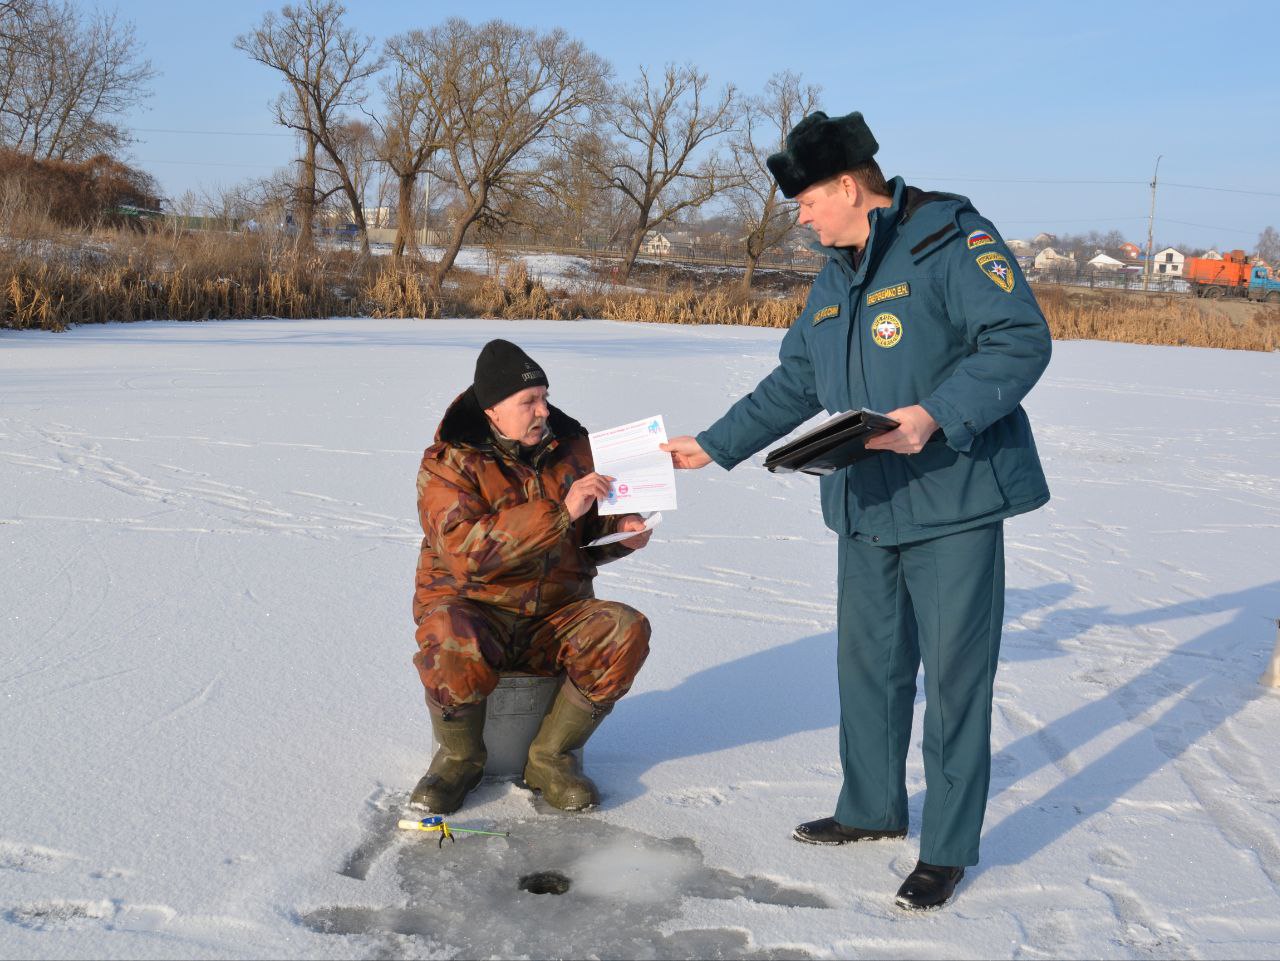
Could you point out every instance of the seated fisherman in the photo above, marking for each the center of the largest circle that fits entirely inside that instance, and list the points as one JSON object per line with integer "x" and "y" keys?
{"x": 507, "y": 499}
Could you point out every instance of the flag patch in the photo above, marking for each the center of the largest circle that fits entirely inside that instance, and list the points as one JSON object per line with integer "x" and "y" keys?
{"x": 888, "y": 293}
{"x": 980, "y": 238}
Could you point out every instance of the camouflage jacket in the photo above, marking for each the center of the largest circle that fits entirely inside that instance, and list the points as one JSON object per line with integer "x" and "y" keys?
{"x": 495, "y": 528}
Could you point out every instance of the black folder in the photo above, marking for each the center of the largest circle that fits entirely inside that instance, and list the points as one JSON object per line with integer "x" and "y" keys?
{"x": 833, "y": 444}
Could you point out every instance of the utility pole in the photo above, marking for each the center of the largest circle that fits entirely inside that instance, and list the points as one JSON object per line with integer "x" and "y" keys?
{"x": 1151, "y": 226}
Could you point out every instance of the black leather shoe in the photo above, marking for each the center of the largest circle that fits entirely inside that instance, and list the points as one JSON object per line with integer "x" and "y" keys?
{"x": 928, "y": 886}
{"x": 831, "y": 831}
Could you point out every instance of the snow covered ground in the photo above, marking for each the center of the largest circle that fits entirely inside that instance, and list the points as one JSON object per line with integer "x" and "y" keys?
{"x": 209, "y": 716}
{"x": 555, "y": 271}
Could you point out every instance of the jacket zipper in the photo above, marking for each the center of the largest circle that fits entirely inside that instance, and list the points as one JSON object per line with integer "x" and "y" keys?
{"x": 546, "y": 564}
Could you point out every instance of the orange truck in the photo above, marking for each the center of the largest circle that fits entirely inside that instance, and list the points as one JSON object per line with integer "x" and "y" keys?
{"x": 1235, "y": 275}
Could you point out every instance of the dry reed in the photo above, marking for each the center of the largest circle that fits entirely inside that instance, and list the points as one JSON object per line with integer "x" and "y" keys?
{"x": 51, "y": 280}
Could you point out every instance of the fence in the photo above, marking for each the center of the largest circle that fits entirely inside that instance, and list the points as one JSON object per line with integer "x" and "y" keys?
{"x": 704, "y": 254}
{"x": 1107, "y": 279}
{"x": 721, "y": 255}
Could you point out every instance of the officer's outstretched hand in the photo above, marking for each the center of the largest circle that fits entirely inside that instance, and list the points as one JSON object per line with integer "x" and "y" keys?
{"x": 915, "y": 427}
{"x": 686, "y": 453}
{"x": 634, "y": 522}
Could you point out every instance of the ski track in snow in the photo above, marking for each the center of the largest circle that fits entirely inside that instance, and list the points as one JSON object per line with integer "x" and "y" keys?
{"x": 1133, "y": 812}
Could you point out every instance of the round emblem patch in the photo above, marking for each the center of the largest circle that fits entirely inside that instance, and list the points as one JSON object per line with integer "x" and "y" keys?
{"x": 886, "y": 330}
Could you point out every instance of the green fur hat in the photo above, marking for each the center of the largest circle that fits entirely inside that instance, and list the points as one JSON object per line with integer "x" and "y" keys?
{"x": 819, "y": 147}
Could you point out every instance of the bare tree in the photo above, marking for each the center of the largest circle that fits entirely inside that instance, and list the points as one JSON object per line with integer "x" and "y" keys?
{"x": 411, "y": 128}
{"x": 1268, "y": 247}
{"x": 326, "y": 66}
{"x": 571, "y": 197}
{"x": 764, "y": 214}
{"x": 501, "y": 93}
{"x": 65, "y": 79}
{"x": 356, "y": 142}
{"x": 657, "y": 130}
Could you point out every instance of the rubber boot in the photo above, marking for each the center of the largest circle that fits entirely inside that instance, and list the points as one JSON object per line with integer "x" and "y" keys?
{"x": 458, "y": 764}
{"x": 551, "y": 769}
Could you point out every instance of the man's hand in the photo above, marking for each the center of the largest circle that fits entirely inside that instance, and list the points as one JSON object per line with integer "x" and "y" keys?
{"x": 915, "y": 427}
{"x": 585, "y": 492}
{"x": 634, "y": 522}
{"x": 686, "y": 453}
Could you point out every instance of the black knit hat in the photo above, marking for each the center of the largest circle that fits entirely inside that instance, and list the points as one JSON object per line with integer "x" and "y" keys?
{"x": 502, "y": 369}
{"x": 819, "y": 147}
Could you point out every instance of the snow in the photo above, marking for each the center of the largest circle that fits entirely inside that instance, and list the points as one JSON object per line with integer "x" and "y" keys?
{"x": 555, "y": 271}
{"x": 210, "y": 719}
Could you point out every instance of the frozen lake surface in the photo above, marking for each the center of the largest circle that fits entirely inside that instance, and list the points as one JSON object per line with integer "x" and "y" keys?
{"x": 210, "y": 718}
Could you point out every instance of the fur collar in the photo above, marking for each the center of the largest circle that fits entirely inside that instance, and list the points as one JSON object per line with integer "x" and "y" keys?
{"x": 465, "y": 423}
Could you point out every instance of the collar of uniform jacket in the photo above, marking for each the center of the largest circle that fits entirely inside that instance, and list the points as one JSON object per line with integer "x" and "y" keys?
{"x": 906, "y": 200}
{"x": 464, "y": 424}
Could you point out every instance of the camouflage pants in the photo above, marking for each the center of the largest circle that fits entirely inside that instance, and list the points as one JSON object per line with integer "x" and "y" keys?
{"x": 463, "y": 646}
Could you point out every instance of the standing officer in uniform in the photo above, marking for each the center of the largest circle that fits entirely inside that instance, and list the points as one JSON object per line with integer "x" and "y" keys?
{"x": 920, "y": 312}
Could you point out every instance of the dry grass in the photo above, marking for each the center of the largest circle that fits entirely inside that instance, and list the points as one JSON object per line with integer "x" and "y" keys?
{"x": 51, "y": 279}
{"x": 1136, "y": 318}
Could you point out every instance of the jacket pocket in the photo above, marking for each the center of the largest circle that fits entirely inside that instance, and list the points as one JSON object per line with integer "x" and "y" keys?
{"x": 828, "y": 345}
{"x": 832, "y": 491}
{"x": 945, "y": 486}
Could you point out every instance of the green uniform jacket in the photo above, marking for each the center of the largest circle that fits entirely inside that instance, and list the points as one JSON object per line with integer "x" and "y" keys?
{"x": 936, "y": 313}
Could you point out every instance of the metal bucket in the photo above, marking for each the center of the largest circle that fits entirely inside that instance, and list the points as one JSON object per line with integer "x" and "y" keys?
{"x": 513, "y": 714}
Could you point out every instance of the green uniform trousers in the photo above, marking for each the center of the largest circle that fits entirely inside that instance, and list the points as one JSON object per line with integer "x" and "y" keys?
{"x": 939, "y": 601}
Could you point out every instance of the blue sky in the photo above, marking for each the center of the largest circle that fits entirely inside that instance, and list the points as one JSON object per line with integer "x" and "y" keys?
{"x": 978, "y": 99}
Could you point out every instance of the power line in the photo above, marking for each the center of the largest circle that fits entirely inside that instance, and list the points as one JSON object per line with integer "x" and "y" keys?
{"x": 1225, "y": 190}
{"x": 1067, "y": 220}
{"x": 1184, "y": 223}
{"x": 1051, "y": 180}
{"x": 206, "y": 163}
{"x": 976, "y": 180}
{"x": 1018, "y": 180}
{"x": 217, "y": 133}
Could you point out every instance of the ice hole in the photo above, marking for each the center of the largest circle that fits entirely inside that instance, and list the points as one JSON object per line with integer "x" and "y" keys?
{"x": 545, "y": 882}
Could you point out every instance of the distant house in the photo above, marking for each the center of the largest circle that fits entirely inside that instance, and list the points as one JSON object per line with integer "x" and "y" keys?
{"x": 1130, "y": 251}
{"x": 1050, "y": 259}
{"x": 1018, "y": 247}
{"x": 1044, "y": 240}
{"x": 1168, "y": 262}
{"x": 656, "y": 245}
{"x": 1211, "y": 255}
{"x": 1105, "y": 262}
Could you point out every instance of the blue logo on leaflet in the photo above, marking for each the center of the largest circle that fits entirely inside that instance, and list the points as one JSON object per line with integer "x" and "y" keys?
{"x": 653, "y": 427}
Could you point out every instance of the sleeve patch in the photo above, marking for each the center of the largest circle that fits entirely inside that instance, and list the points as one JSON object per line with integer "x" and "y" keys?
{"x": 825, "y": 312}
{"x": 980, "y": 238}
{"x": 996, "y": 267}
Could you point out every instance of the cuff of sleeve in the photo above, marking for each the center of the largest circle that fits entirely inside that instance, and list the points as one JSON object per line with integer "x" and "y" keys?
{"x": 562, "y": 518}
{"x": 958, "y": 431}
{"x": 714, "y": 452}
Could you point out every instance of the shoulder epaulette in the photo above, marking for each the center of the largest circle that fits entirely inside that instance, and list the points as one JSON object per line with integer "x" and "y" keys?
{"x": 941, "y": 234}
